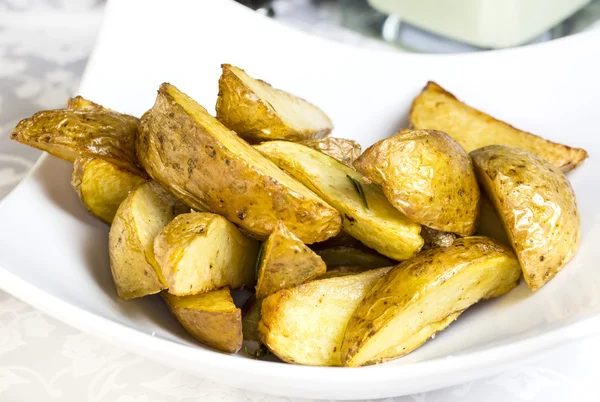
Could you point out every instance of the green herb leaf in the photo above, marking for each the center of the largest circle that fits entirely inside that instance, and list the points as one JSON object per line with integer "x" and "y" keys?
{"x": 359, "y": 189}
{"x": 258, "y": 258}
{"x": 260, "y": 353}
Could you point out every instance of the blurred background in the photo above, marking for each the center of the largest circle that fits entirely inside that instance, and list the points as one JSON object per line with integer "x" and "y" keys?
{"x": 435, "y": 26}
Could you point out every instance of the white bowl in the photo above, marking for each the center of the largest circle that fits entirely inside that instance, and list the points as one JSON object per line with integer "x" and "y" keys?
{"x": 54, "y": 254}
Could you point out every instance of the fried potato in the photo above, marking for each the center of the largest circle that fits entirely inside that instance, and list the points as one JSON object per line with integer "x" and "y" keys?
{"x": 537, "y": 206}
{"x": 427, "y": 176}
{"x": 424, "y": 295}
{"x": 210, "y": 318}
{"x": 286, "y": 262}
{"x": 340, "y": 149}
{"x": 91, "y": 132}
{"x": 199, "y": 252}
{"x": 306, "y": 324}
{"x": 102, "y": 186}
{"x": 437, "y": 109}
{"x": 250, "y": 318}
{"x": 258, "y": 112}
{"x": 353, "y": 256}
{"x": 140, "y": 217}
{"x": 367, "y": 215}
{"x": 210, "y": 168}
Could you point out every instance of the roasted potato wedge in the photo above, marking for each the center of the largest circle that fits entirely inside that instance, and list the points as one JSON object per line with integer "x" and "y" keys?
{"x": 258, "y": 112}
{"x": 424, "y": 295}
{"x": 437, "y": 109}
{"x": 354, "y": 256}
{"x": 210, "y": 168}
{"x": 427, "y": 176}
{"x": 340, "y": 149}
{"x": 199, "y": 252}
{"x": 306, "y": 324}
{"x": 90, "y": 132}
{"x": 490, "y": 224}
{"x": 211, "y": 318}
{"x": 537, "y": 206}
{"x": 367, "y": 214}
{"x": 250, "y": 318}
{"x": 286, "y": 262}
{"x": 140, "y": 217}
{"x": 102, "y": 186}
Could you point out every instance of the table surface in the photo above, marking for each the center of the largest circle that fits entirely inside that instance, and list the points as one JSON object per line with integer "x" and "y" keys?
{"x": 44, "y": 45}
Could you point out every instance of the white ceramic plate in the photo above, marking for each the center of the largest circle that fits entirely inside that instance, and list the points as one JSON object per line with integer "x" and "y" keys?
{"x": 54, "y": 254}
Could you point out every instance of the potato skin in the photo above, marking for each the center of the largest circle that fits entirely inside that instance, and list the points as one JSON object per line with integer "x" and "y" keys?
{"x": 424, "y": 295}
{"x": 255, "y": 119}
{"x": 537, "y": 206}
{"x": 210, "y": 318}
{"x": 199, "y": 252}
{"x": 102, "y": 186}
{"x": 306, "y": 324}
{"x": 427, "y": 176}
{"x": 90, "y": 132}
{"x": 191, "y": 157}
{"x": 340, "y": 149}
{"x": 286, "y": 262}
{"x": 376, "y": 223}
{"x": 145, "y": 211}
{"x": 437, "y": 109}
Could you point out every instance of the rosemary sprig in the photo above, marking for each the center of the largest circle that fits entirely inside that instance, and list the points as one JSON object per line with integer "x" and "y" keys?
{"x": 359, "y": 189}
{"x": 258, "y": 258}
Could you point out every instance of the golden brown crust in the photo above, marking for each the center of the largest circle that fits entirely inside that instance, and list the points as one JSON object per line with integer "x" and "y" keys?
{"x": 306, "y": 324}
{"x": 537, "y": 206}
{"x": 248, "y": 112}
{"x": 286, "y": 262}
{"x": 90, "y": 132}
{"x": 367, "y": 214}
{"x": 428, "y": 177}
{"x": 199, "y": 252}
{"x": 140, "y": 217}
{"x": 424, "y": 295}
{"x": 437, "y": 109}
{"x": 190, "y": 153}
{"x": 102, "y": 186}
{"x": 340, "y": 149}
{"x": 218, "y": 326}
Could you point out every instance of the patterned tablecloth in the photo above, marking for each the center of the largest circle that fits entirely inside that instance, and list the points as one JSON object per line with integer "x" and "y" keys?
{"x": 44, "y": 45}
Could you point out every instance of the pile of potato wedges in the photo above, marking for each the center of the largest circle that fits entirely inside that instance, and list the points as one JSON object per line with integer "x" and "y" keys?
{"x": 353, "y": 258}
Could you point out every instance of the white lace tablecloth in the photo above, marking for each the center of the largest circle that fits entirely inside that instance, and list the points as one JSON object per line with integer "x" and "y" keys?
{"x": 44, "y": 45}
